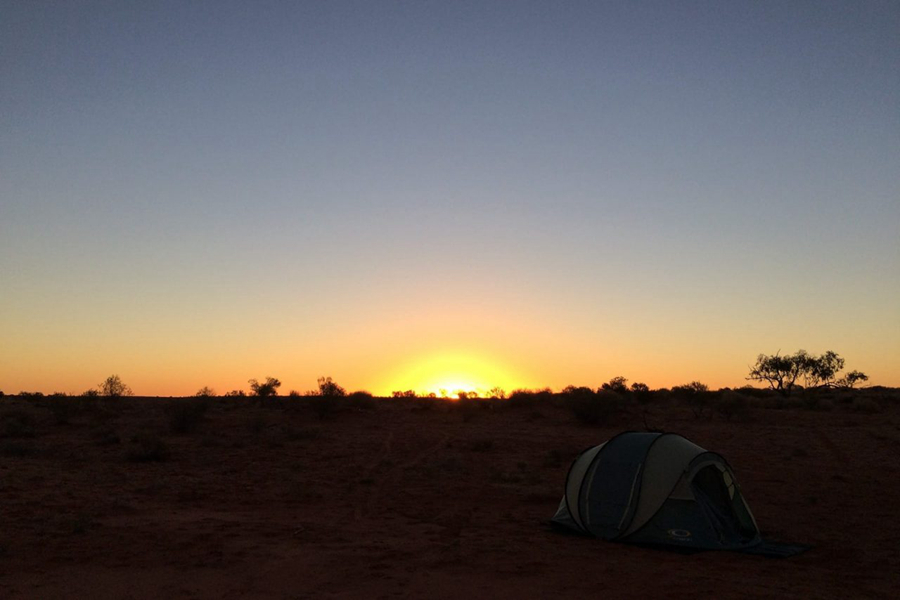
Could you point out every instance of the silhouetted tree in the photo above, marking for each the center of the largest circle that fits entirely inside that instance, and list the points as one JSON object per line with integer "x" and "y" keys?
{"x": 327, "y": 387}
{"x": 497, "y": 392}
{"x": 616, "y": 384}
{"x": 267, "y": 389}
{"x": 851, "y": 379}
{"x": 114, "y": 387}
{"x": 205, "y": 392}
{"x": 696, "y": 394}
{"x": 782, "y": 372}
{"x": 406, "y": 394}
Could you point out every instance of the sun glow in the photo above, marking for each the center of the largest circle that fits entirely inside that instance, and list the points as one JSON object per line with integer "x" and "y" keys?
{"x": 446, "y": 374}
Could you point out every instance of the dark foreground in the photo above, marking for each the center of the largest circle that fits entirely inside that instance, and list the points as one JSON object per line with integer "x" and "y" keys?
{"x": 401, "y": 498}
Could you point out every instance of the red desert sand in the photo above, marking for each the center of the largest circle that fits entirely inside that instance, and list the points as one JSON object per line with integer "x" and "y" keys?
{"x": 145, "y": 498}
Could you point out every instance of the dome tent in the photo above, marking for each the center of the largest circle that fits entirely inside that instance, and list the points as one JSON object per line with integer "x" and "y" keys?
{"x": 659, "y": 489}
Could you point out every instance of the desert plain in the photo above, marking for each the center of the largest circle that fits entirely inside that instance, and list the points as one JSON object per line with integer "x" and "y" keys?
{"x": 417, "y": 498}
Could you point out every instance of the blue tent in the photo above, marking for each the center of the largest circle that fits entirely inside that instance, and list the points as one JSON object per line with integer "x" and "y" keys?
{"x": 658, "y": 489}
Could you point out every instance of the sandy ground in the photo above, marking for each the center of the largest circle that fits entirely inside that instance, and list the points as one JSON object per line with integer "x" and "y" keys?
{"x": 408, "y": 501}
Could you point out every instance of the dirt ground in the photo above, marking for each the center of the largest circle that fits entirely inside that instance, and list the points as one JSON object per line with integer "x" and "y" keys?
{"x": 414, "y": 499}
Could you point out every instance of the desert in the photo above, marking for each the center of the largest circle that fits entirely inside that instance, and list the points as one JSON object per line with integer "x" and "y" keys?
{"x": 312, "y": 497}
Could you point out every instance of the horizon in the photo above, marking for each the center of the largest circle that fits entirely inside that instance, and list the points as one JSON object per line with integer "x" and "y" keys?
{"x": 432, "y": 195}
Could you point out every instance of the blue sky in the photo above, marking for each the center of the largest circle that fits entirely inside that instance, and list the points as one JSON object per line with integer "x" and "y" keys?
{"x": 574, "y": 190}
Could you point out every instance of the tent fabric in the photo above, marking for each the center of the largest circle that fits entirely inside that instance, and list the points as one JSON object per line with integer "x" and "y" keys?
{"x": 656, "y": 488}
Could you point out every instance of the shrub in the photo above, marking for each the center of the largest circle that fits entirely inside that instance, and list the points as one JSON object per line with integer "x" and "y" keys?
{"x": 595, "y": 409}
{"x": 327, "y": 387}
{"x": 406, "y": 394}
{"x": 236, "y": 394}
{"x": 31, "y": 394}
{"x": 361, "y": 400}
{"x": 114, "y": 387}
{"x": 266, "y": 389}
{"x": 186, "y": 415}
{"x": 147, "y": 447}
{"x": 695, "y": 394}
{"x": 616, "y": 384}
{"x": 205, "y": 392}
{"x": 730, "y": 405}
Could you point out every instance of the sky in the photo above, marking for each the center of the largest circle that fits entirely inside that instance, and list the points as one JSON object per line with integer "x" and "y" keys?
{"x": 436, "y": 195}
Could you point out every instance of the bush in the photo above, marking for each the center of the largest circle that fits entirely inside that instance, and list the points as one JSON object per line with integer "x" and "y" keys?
{"x": 206, "y": 392}
{"x": 266, "y": 389}
{"x": 186, "y": 415}
{"x": 616, "y": 384}
{"x": 595, "y": 409}
{"x": 114, "y": 387}
{"x": 327, "y": 387}
{"x": 696, "y": 395}
{"x": 730, "y": 405}
{"x": 361, "y": 400}
{"x": 147, "y": 447}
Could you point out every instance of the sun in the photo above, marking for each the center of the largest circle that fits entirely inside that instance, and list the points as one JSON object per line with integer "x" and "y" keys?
{"x": 447, "y": 373}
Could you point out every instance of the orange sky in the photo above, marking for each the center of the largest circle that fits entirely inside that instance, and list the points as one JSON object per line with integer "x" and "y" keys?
{"x": 402, "y": 197}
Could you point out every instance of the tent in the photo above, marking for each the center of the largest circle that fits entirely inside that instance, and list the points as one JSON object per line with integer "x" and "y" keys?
{"x": 657, "y": 489}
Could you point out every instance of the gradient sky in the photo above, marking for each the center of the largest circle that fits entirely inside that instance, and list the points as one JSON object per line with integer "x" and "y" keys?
{"x": 415, "y": 194}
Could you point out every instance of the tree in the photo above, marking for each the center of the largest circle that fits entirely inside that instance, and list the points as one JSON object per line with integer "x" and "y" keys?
{"x": 616, "y": 384}
{"x": 851, "y": 379}
{"x": 114, "y": 387}
{"x": 821, "y": 370}
{"x": 327, "y": 387}
{"x": 497, "y": 392}
{"x": 640, "y": 388}
{"x": 205, "y": 392}
{"x": 780, "y": 372}
{"x": 264, "y": 390}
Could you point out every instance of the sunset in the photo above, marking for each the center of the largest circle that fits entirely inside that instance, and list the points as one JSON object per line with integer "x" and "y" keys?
{"x": 610, "y": 215}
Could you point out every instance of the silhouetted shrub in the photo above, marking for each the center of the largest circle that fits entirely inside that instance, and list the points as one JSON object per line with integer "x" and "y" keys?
{"x": 186, "y": 415}
{"x": 266, "y": 389}
{"x": 30, "y": 395}
{"x": 147, "y": 447}
{"x": 327, "y": 387}
{"x": 114, "y": 387}
{"x": 361, "y": 400}
{"x": 206, "y": 392}
{"x": 521, "y": 398}
{"x": 595, "y": 409}
{"x": 695, "y": 395}
{"x": 616, "y": 384}
{"x": 236, "y": 394}
{"x": 406, "y": 394}
{"x": 730, "y": 405}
